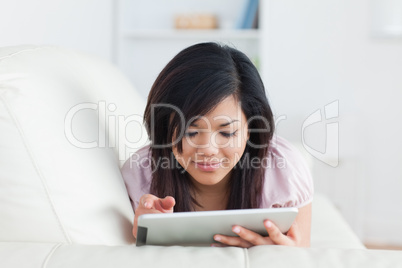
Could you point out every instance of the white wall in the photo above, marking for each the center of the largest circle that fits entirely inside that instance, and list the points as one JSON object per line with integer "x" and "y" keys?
{"x": 323, "y": 51}
{"x": 84, "y": 25}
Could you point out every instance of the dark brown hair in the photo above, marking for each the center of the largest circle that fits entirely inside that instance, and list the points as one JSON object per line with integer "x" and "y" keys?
{"x": 193, "y": 83}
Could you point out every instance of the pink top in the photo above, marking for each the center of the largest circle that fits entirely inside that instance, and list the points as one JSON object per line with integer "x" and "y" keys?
{"x": 288, "y": 182}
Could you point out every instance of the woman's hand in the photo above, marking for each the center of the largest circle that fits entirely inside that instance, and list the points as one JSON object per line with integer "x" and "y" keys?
{"x": 247, "y": 238}
{"x": 152, "y": 204}
{"x": 298, "y": 234}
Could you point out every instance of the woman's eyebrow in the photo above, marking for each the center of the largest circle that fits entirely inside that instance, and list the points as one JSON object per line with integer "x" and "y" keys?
{"x": 228, "y": 123}
{"x": 193, "y": 124}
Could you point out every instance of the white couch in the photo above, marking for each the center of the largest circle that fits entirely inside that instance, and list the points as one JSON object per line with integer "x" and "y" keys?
{"x": 67, "y": 123}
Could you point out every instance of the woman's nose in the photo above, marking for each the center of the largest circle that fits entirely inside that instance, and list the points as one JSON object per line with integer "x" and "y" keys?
{"x": 207, "y": 147}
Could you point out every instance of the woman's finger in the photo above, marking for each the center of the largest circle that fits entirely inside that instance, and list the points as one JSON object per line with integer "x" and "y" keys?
{"x": 167, "y": 203}
{"x": 249, "y": 236}
{"x": 152, "y": 204}
{"x": 218, "y": 245}
{"x": 294, "y": 233}
{"x": 148, "y": 200}
{"x": 232, "y": 241}
{"x": 276, "y": 235}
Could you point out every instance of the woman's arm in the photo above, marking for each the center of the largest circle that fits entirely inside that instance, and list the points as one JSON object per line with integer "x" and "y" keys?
{"x": 298, "y": 234}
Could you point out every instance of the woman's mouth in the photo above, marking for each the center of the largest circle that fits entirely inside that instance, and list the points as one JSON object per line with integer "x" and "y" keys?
{"x": 207, "y": 166}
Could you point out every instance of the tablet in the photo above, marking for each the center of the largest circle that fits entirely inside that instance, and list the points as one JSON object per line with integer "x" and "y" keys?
{"x": 198, "y": 228}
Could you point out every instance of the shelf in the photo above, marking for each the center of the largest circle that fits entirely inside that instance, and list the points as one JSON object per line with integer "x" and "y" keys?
{"x": 192, "y": 34}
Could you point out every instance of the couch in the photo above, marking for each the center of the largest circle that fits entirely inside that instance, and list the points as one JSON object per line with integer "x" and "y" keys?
{"x": 68, "y": 121}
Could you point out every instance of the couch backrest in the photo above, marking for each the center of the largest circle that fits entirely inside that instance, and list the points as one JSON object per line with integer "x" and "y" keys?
{"x": 67, "y": 123}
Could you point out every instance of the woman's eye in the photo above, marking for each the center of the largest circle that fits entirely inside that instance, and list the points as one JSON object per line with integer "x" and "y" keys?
{"x": 191, "y": 134}
{"x": 228, "y": 134}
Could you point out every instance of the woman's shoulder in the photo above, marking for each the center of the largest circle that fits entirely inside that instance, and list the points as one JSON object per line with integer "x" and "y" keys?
{"x": 288, "y": 181}
{"x": 137, "y": 174}
{"x": 281, "y": 149}
{"x": 140, "y": 161}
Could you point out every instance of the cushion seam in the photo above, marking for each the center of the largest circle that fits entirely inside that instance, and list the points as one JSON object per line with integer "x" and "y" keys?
{"x": 49, "y": 256}
{"x": 36, "y": 167}
{"x": 246, "y": 259}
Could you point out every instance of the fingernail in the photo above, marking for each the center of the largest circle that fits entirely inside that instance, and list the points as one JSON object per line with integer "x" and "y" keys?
{"x": 146, "y": 204}
{"x": 236, "y": 230}
{"x": 217, "y": 238}
{"x": 268, "y": 224}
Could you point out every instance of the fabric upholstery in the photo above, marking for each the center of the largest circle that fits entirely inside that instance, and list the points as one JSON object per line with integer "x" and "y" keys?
{"x": 59, "y": 148}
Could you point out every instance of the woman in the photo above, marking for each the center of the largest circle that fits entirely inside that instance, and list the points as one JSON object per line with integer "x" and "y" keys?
{"x": 213, "y": 147}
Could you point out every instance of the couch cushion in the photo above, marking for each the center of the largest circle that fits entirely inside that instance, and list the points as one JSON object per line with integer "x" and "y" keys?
{"x": 25, "y": 255}
{"x": 20, "y": 255}
{"x": 67, "y": 122}
{"x": 282, "y": 256}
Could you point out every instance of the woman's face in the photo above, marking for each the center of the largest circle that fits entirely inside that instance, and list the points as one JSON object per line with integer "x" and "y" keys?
{"x": 214, "y": 143}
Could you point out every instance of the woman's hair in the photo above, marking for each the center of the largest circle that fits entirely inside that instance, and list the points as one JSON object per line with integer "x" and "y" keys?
{"x": 192, "y": 84}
